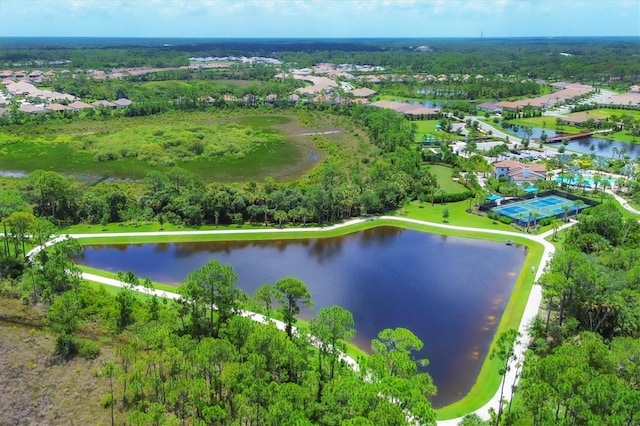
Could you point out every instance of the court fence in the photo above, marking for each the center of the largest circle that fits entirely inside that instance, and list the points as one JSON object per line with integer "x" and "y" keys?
{"x": 526, "y": 220}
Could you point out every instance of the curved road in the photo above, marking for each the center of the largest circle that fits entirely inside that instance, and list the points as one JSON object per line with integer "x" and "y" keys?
{"x": 531, "y": 309}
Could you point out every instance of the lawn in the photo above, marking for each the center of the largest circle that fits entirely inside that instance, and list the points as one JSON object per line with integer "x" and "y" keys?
{"x": 445, "y": 180}
{"x": 425, "y": 127}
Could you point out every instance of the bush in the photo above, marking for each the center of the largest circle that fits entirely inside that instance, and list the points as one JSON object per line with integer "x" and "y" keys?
{"x": 493, "y": 215}
{"x": 66, "y": 346}
{"x": 88, "y": 349}
{"x": 545, "y": 222}
{"x": 506, "y": 220}
{"x": 107, "y": 401}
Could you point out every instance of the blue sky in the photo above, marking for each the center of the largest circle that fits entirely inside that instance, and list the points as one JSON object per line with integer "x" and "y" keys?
{"x": 319, "y": 18}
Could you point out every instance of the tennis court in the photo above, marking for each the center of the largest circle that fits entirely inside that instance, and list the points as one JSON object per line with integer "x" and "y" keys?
{"x": 539, "y": 208}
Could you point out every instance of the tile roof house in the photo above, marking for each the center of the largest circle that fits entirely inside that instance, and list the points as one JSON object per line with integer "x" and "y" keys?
{"x": 122, "y": 103}
{"x": 415, "y": 111}
{"x": 363, "y": 92}
{"x": 56, "y": 107}
{"x": 489, "y": 107}
{"x": 103, "y": 103}
{"x": 515, "y": 171}
{"x": 32, "y": 109}
{"x": 582, "y": 117}
{"x": 77, "y": 105}
{"x": 509, "y": 106}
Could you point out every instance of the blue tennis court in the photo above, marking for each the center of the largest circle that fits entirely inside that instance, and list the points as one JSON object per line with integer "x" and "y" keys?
{"x": 539, "y": 208}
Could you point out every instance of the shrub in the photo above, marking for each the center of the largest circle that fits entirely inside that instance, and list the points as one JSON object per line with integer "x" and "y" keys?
{"x": 66, "y": 346}
{"x": 545, "y": 222}
{"x": 88, "y": 349}
{"x": 106, "y": 156}
{"x": 107, "y": 401}
{"x": 505, "y": 220}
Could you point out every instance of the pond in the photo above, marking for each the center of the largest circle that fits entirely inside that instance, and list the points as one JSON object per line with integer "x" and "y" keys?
{"x": 451, "y": 292}
{"x": 601, "y": 147}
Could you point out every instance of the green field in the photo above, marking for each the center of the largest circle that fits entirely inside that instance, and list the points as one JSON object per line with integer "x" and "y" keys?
{"x": 426, "y": 127}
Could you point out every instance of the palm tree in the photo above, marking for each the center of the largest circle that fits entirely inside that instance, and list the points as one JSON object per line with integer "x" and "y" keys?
{"x": 600, "y": 162}
{"x": 614, "y": 151}
{"x": 577, "y": 205}
{"x": 597, "y": 178}
{"x": 555, "y": 224}
{"x": 622, "y": 152}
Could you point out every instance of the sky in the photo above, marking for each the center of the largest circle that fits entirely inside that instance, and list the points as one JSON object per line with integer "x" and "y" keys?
{"x": 319, "y": 18}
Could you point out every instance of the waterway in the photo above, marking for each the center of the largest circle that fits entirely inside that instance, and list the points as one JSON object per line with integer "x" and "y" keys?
{"x": 451, "y": 292}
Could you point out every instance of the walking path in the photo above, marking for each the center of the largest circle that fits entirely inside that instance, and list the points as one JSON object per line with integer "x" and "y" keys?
{"x": 531, "y": 309}
{"x": 625, "y": 205}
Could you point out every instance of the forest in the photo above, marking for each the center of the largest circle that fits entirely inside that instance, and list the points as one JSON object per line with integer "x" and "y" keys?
{"x": 590, "y": 59}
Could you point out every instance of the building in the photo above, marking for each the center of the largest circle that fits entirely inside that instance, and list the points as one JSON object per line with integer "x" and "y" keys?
{"x": 517, "y": 172}
{"x": 489, "y": 107}
{"x": 123, "y": 103}
{"x": 579, "y": 118}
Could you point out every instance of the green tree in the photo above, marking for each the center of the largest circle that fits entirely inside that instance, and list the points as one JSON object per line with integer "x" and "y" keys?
{"x": 292, "y": 294}
{"x": 213, "y": 286}
{"x": 266, "y": 295}
{"x": 331, "y": 325}
{"x": 504, "y": 351}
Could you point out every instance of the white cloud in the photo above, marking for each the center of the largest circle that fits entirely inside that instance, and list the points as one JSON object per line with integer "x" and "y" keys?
{"x": 300, "y": 18}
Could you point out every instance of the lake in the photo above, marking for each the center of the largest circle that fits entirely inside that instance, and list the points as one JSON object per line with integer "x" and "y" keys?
{"x": 602, "y": 147}
{"x": 451, "y": 292}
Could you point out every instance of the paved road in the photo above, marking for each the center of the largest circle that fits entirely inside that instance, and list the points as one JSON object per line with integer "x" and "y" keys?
{"x": 531, "y": 309}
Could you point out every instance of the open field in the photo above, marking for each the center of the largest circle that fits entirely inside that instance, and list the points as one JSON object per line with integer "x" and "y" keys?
{"x": 222, "y": 147}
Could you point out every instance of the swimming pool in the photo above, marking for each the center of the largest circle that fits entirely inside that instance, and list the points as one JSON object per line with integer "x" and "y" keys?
{"x": 587, "y": 181}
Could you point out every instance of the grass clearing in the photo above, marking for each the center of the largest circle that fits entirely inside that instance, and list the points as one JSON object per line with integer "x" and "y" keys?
{"x": 445, "y": 180}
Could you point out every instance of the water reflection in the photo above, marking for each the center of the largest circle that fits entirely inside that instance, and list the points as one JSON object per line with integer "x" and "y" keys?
{"x": 601, "y": 147}
{"x": 450, "y": 291}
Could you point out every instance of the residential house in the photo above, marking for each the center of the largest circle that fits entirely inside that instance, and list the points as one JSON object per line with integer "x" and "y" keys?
{"x": 78, "y": 105}
{"x": 56, "y": 107}
{"x": 490, "y": 107}
{"x": 363, "y": 92}
{"x": 579, "y": 118}
{"x": 103, "y": 103}
{"x": 122, "y": 103}
{"x": 517, "y": 172}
